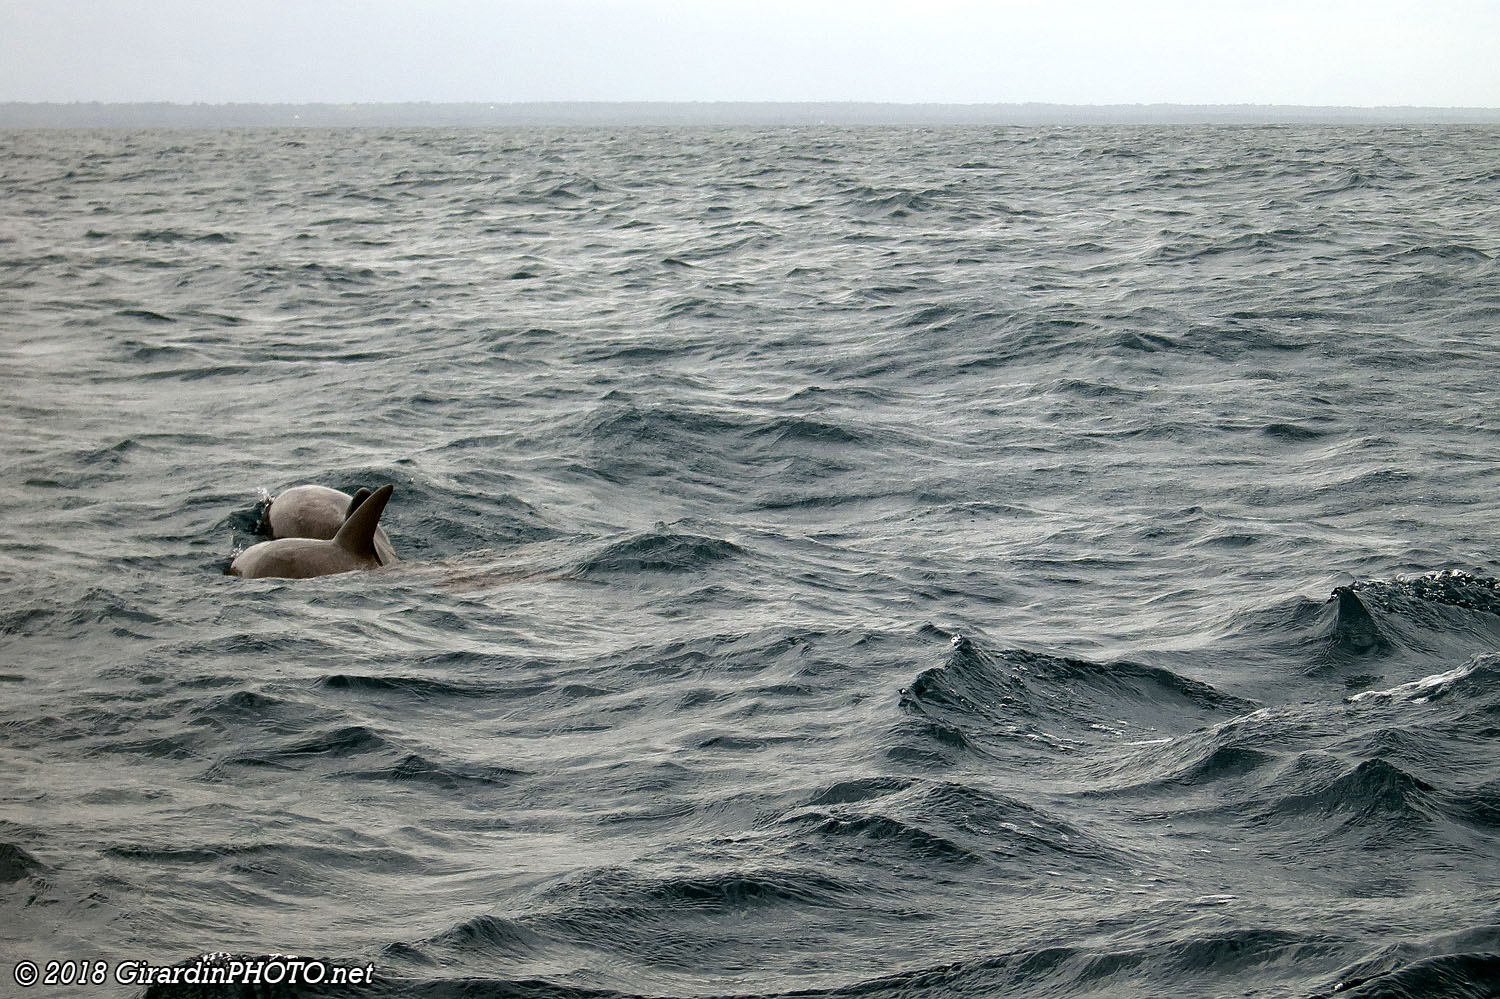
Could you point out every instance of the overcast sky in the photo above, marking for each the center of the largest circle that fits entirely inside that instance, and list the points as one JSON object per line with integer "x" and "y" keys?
{"x": 1373, "y": 52}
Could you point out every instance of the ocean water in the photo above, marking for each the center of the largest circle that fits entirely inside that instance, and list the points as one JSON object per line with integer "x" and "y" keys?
{"x": 880, "y": 562}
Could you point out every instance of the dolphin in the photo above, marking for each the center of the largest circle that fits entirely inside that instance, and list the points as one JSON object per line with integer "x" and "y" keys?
{"x": 319, "y": 512}
{"x": 352, "y": 547}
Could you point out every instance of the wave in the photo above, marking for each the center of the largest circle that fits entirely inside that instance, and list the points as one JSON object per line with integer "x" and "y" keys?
{"x": 1014, "y": 700}
{"x": 1453, "y": 965}
{"x": 1479, "y": 676}
{"x": 658, "y": 551}
{"x": 76, "y": 615}
{"x": 1284, "y": 957}
{"x": 1450, "y": 976}
{"x": 416, "y": 688}
{"x": 896, "y": 204}
{"x": 414, "y": 768}
{"x": 1368, "y": 630}
{"x": 17, "y": 865}
{"x": 1371, "y": 793}
{"x": 1227, "y": 758}
{"x": 914, "y": 823}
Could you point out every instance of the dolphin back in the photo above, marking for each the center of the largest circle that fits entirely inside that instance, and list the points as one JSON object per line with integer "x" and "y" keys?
{"x": 307, "y": 511}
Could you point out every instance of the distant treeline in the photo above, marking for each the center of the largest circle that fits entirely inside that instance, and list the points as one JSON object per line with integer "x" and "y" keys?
{"x": 602, "y": 113}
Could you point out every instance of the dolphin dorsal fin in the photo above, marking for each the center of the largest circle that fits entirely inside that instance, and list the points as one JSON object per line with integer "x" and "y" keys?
{"x": 357, "y": 536}
{"x": 359, "y": 497}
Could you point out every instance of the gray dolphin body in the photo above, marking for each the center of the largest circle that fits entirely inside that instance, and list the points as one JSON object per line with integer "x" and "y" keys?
{"x": 319, "y": 512}
{"x": 352, "y": 547}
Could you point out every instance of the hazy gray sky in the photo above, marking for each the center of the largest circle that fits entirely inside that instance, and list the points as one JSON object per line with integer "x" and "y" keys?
{"x": 1372, "y": 52}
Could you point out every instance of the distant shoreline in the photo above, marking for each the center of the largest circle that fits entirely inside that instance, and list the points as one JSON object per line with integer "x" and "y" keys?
{"x": 621, "y": 114}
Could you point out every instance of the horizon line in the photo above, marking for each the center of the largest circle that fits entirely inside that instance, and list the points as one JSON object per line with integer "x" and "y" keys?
{"x": 748, "y": 101}
{"x": 740, "y": 113}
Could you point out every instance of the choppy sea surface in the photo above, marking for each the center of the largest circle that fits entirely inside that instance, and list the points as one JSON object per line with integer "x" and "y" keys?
{"x": 881, "y": 562}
